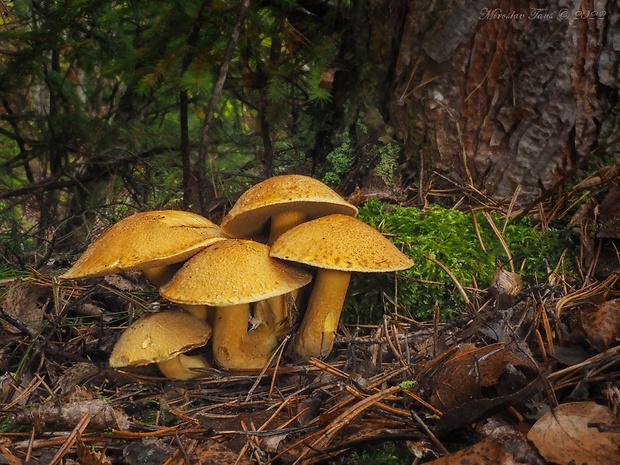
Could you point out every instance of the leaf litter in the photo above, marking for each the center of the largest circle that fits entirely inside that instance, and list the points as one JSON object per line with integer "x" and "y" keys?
{"x": 530, "y": 376}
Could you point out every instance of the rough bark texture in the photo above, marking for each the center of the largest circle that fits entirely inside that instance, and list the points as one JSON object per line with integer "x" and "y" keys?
{"x": 498, "y": 93}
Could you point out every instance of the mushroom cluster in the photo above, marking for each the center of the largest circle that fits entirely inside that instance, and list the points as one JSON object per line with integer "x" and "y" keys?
{"x": 286, "y": 241}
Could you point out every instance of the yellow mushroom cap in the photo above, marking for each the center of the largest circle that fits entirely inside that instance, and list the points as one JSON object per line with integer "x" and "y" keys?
{"x": 282, "y": 194}
{"x": 159, "y": 337}
{"x": 231, "y": 272}
{"x": 145, "y": 240}
{"x": 340, "y": 242}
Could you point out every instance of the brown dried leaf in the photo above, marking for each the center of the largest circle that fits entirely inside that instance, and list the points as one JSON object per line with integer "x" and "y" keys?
{"x": 149, "y": 451}
{"x": 610, "y": 214}
{"x": 217, "y": 453}
{"x": 476, "y": 380}
{"x": 513, "y": 441}
{"x": 26, "y": 301}
{"x": 75, "y": 375}
{"x": 563, "y": 435}
{"x": 602, "y": 325}
{"x": 506, "y": 283}
{"x": 479, "y": 373}
{"x": 485, "y": 451}
{"x": 87, "y": 456}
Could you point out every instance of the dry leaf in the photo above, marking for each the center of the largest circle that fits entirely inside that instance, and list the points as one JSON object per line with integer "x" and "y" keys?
{"x": 86, "y": 456}
{"x": 272, "y": 443}
{"x": 149, "y": 451}
{"x": 218, "y": 453}
{"x": 563, "y": 435}
{"x": 75, "y": 375}
{"x": 610, "y": 215}
{"x": 480, "y": 373}
{"x": 476, "y": 380}
{"x": 485, "y": 451}
{"x": 26, "y": 301}
{"x": 513, "y": 441}
{"x": 602, "y": 325}
{"x": 505, "y": 286}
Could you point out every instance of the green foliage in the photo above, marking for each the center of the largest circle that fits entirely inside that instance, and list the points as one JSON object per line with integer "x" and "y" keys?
{"x": 14, "y": 242}
{"x": 7, "y": 271}
{"x": 340, "y": 161}
{"x": 95, "y": 89}
{"x": 387, "y": 167}
{"x": 449, "y": 236}
{"x": 408, "y": 384}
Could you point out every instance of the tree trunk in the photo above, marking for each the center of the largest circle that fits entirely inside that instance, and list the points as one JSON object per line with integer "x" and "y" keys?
{"x": 494, "y": 95}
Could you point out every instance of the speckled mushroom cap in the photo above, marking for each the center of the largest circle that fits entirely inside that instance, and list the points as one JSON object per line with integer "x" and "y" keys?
{"x": 144, "y": 240}
{"x": 159, "y": 337}
{"x": 231, "y": 272}
{"x": 279, "y": 195}
{"x": 340, "y": 242}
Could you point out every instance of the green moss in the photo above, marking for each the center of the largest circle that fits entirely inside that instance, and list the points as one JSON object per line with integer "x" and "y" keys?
{"x": 340, "y": 161}
{"x": 448, "y": 236}
{"x": 387, "y": 168}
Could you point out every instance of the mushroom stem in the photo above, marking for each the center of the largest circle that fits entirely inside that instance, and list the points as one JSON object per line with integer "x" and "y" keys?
{"x": 202, "y": 312}
{"x": 282, "y": 222}
{"x": 236, "y": 348}
{"x": 316, "y": 334}
{"x": 278, "y": 312}
{"x": 182, "y": 366}
{"x": 160, "y": 275}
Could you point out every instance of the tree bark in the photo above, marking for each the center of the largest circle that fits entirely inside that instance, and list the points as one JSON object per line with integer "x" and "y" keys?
{"x": 496, "y": 95}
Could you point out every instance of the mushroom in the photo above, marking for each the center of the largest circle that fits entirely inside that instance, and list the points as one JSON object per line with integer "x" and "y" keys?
{"x": 229, "y": 275}
{"x": 288, "y": 200}
{"x": 163, "y": 338}
{"x": 153, "y": 242}
{"x": 337, "y": 245}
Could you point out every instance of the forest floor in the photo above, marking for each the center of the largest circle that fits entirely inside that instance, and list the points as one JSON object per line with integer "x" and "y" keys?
{"x": 532, "y": 376}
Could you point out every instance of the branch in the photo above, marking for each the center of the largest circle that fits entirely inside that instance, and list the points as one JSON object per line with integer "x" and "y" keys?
{"x": 217, "y": 91}
{"x": 56, "y": 182}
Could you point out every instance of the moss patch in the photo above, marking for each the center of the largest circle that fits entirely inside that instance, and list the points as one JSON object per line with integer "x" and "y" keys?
{"x": 450, "y": 237}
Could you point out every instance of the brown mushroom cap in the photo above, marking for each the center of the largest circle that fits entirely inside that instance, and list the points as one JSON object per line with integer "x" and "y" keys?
{"x": 340, "y": 242}
{"x": 282, "y": 194}
{"x": 159, "y": 337}
{"x": 232, "y": 272}
{"x": 146, "y": 240}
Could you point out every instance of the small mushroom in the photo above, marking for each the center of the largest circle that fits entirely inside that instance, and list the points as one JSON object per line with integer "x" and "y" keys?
{"x": 153, "y": 242}
{"x": 163, "y": 338}
{"x": 337, "y": 245}
{"x": 286, "y": 200}
{"x": 229, "y": 275}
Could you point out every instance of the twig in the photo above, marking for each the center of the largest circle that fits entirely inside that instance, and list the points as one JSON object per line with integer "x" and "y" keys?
{"x": 430, "y": 434}
{"x": 487, "y": 216}
{"x": 586, "y": 291}
{"x": 79, "y": 429}
{"x": 348, "y": 415}
{"x": 278, "y": 354}
{"x": 453, "y": 278}
{"x": 215, "y": 95}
